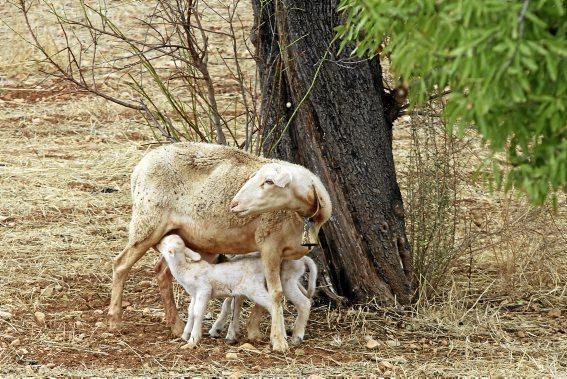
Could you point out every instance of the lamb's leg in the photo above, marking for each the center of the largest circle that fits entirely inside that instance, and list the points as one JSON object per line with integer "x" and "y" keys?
{"x": 272, "y": 265}
{"x": 190, "y": 321}
{"x": 302, "y": 305}
{"x": 201, "y": 300}
{"x": 222, "y": 319}
{"x": 122, "y": 264}
{"x": 234, "y": 326}
{"x": 165, "y": 283}
{"x": 253, "y": 326}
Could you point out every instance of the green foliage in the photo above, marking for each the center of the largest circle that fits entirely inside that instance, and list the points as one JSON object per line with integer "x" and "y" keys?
{"x": 505, "y": 63}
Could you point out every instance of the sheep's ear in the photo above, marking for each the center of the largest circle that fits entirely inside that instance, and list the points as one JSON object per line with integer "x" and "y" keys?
{"x": 281, "y": 177}
{"x": 192, "y": 255}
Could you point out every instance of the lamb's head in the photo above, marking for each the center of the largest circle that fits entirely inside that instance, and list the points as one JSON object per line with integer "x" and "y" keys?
{"x": 172, "y": 247}
{"x": 278, "y": 186}
{"x": 266, "y": 190}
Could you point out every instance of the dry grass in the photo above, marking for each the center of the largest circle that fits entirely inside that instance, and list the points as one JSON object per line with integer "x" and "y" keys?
{"x": 65, "y": 164}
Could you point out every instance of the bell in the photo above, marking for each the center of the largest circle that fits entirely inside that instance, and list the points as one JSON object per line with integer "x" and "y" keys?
{"x": 309, "y": 237}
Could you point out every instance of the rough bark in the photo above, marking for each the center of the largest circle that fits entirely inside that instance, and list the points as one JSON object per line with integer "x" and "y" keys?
{"x": 342, "y": 133}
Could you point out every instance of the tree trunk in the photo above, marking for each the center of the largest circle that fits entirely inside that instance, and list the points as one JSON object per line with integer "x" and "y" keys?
{"x": 342, "y": 133}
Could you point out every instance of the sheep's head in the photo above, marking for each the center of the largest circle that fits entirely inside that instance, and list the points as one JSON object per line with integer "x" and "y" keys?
{"x": 172, "y": 246}
{"x": 268, "y": 189}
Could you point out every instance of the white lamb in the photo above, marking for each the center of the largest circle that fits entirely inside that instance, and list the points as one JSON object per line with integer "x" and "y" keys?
{"x": 240, "y": 277}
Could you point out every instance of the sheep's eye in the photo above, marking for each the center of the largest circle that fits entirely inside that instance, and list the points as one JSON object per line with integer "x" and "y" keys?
{"x": 269, "y": 181}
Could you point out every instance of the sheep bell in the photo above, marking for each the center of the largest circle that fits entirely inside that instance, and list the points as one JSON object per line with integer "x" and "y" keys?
{"x": 309, "y": 238}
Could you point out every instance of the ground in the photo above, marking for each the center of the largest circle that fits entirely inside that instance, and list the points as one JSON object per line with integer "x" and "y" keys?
{"x": 65, "y": 165}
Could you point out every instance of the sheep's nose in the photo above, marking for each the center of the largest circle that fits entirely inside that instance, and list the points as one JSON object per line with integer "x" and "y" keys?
{"x": 233, "y": 204}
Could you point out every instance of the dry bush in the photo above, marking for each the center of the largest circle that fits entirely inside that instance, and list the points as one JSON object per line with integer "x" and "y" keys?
{"x": 166, "y": 60}
{"x": 464, "y": 233}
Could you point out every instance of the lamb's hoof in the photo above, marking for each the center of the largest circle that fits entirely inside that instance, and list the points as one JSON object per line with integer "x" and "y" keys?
{"x": 280, "y": 346}
{"x": 177, "y": 328}
{"x": 295, "y": 340}
{"x": 185, "y": 337}
{"x": 214, "y": 333}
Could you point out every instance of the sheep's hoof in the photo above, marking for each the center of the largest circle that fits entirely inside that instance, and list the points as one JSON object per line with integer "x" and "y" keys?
{"x": 177, "y": 328}
{"x": 254, "y": 335}
{"x": 296, "y": 340}
{"x": 231, "y": 341}
{"x": 280, "y": 346}
{"x": 185, "y": 337}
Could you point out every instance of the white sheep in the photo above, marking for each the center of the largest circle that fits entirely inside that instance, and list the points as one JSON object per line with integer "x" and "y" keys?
{"x": 238, "y": 278}
{"x": 220, "y": 199}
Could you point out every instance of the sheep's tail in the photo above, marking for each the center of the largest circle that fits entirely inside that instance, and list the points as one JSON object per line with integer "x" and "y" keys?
{"x": 312, "y": 280}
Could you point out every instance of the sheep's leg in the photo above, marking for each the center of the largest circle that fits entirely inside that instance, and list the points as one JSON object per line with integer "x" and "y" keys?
{"x": 302, "y": 305}
{"x": 272, "y": 266}
{"x": 234, "y": 326}
{"x": 165, "y": 283}
{"x": 253, "y": 326}
{"x": 122, "y": 264}
{"x": 222, "y": 319}
{"x": 190, "y": 321}
{"x": 201, "y": 300}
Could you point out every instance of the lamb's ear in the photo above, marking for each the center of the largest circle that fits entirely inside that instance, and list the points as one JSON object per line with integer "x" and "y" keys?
{"x": 281, "y": 178}
{"x": 192, "y": 255}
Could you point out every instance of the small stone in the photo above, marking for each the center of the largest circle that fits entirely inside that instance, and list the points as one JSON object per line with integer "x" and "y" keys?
{"x": 385, "y": 365}
{"x": 5, "y": 315}
{"x": 299, "y": 352}
{"x": 80, "y": 337}
{"x": 554, "y": 313}
{"x": 39, "y": 318}
{"x": 372, "y": 344}
{"x": 47, "y": 291}
{"x": 126, "y": 304}
{"x": 314, "y": 376}
{"x": 15, "y": 342}
{"x": 99, "y": 324}
{"x": 231, "y": 356}
{"x": 399, "y": 360}
{"x": 248, "y": 347}
{"x": 146, "y": 311}
{"x": 129, "y": 308}
{"x": 78, "y": 324}
{"x": 98, "y": 311}
{"x": 107, "y": 335}
{"x": 50, "y": 365}
{"x": 393, "y": 343}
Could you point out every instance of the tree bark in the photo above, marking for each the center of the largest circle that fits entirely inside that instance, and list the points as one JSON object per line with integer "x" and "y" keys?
{"x": 342, "y": 133}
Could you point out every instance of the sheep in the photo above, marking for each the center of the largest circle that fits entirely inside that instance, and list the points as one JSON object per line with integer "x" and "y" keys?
{"x": 239, "y": 277}
{"x": 230, "y": 310}
{"x": 218, "y": 199}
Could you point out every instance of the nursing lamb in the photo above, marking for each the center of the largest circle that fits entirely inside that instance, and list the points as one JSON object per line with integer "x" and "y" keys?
{"x": 239, "y": 277}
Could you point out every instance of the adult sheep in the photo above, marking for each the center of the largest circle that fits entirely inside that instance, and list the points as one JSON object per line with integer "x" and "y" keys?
{"x": 219, "y": 199}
